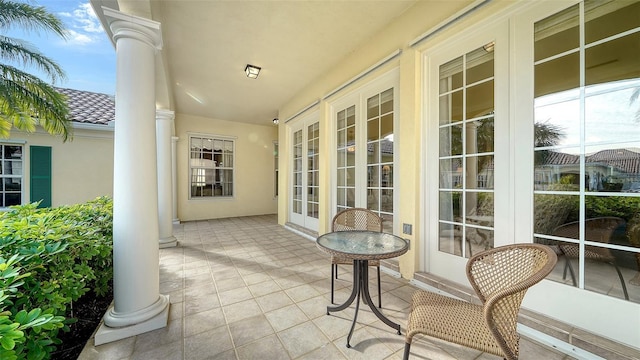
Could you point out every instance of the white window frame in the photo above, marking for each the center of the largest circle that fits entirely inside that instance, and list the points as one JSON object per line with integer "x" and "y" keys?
{"x": 191, "y": 166}
{"x": 358, "y": 97}
{"x": 22, "y": 177}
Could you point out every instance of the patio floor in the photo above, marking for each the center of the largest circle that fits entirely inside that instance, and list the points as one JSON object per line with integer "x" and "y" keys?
{"x": 247, "y": 288}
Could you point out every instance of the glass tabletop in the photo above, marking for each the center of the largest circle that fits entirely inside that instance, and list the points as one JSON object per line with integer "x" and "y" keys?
{"x": 363, "y": 244}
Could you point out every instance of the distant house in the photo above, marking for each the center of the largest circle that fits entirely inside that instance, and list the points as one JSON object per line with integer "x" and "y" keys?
{"x": 40, "y": 167}
{"x": 606, "y": 170}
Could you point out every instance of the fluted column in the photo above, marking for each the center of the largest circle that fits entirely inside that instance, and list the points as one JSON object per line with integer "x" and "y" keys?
{"x": 174, "y": 176}
{"x": 164, "y": 130}
{"x": 138, "y": 305}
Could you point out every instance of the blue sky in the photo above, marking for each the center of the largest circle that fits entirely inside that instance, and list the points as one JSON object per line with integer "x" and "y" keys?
{"x": 87, "y": 56}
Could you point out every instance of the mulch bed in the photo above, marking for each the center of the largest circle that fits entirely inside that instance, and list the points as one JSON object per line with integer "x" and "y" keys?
{"x": 88, "y": 311}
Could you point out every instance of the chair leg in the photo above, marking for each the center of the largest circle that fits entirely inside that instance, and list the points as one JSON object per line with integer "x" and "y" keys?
{"x": 333, "y": 266}
{"x": 567, "y": 266}
{"x": 407, "y": 346}
{"x": 379, "y": 291}
{"x": 624, "y": 286}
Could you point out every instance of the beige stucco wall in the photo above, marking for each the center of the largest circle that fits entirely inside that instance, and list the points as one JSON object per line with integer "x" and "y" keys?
{"x": 81, "y": 169}
{"x": 254, "y": 169}
{"x": 409, "y": 131}
{"x": 397, "y": 35}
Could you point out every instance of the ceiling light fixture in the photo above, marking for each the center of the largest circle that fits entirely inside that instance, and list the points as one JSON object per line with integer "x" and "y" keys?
{"x": 252, "y": 71}
{"x": 276, "y": 121}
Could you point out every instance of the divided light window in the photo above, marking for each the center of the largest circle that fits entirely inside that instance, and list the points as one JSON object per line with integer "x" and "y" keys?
{"x": 211, "y": 167}
{"x": 587, "y": 144}
{"x": 466, "y": 141}
{"x": 10, "y": 175}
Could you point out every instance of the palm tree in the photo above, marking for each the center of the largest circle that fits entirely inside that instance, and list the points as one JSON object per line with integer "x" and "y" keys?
{"x": 25, "y": 99}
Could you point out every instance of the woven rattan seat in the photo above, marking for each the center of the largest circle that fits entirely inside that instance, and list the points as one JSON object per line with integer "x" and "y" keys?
{"x": 500, "y": 277}
{"x": 349, "y": 220}
{"x": 598, "y": 229}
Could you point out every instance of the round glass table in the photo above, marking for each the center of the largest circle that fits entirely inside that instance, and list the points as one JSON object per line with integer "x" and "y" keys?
{"x": 362, "y": 246}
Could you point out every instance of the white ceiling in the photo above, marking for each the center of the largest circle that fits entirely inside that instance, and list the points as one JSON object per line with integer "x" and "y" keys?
{"x": 207, "y": 45}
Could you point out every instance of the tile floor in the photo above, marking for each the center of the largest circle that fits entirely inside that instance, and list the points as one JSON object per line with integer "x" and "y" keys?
{"x": 247, "y": 288}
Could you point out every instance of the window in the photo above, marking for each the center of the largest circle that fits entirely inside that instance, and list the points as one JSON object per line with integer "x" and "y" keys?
{"x": 466, "y": 154}
{"x": 211, "y": 167}
{"x": 275, "y": 164}
{"x": 346, "y": 156}
{"x": 587, "y": 144}
{"x": 365, "y": 147}
{"x": 380, "y": 159}
{"x": 11, "y": 175}
{"x": 313, "y": 170}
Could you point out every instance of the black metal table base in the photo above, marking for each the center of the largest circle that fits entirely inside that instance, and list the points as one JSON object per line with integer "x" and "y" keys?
{"x": 361, "y": 288}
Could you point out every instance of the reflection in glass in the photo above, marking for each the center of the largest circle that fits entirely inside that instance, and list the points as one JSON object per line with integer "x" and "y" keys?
{"x": 610, "y": 115}
{"x": 557, "y": 33}
{"x": 480, "y": 208}
{"x": 608, "y": 18}
{"x": 595, "y": 228}
{"x": 479, "y": 100}
{"x": 451, "y": 173}
{"x": 479, "y": 136}
{"x": 451, "y": 107}
{"x": 557, "y": 75}
{"x": 557, "y": 170}
{"x": 613, "y": 60}
{"x": 450, "y": 239}
{"x": 479, "y": 172}
{"x": 477, "y": 240}
{"x": 451, "y": 75}
{"x": 450, "y": 206}
{"x": 462, "y": 135}
{"x": 451, "y": 140}
{"x": 380, "y": 157}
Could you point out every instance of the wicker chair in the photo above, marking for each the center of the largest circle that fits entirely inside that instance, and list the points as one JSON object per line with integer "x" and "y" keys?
{"x": 500, "y": 277}
{"x": 598, "y": 229}
{"x": 349, "y": 220}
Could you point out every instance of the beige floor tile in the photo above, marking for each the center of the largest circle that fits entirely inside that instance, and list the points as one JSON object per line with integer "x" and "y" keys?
{"x": 250, "y": 329}
{"x": 208, "y": 344}
{"x": 266, "y": 348}
{"x": 274, "y": 301}
{"x": 286, "y": 317}
{"x": 246, "y": 288}
{"x": 302, "y": 339}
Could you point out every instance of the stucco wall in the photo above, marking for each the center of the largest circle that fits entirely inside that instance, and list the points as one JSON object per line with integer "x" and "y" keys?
{"x": 254, "y": 169}
{"x": 81, "y": 169}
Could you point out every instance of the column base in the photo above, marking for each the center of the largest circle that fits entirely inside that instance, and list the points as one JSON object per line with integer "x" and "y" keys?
{"x": 106, "y": 334}
{"x": 168, "y": 242}
{"x": 176, "y": 221}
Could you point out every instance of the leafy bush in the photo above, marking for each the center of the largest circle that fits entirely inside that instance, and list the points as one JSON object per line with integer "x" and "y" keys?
{"x": 49, "y": 258}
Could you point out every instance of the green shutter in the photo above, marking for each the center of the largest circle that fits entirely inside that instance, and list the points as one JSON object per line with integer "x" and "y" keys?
{"x": 41, "y": 175}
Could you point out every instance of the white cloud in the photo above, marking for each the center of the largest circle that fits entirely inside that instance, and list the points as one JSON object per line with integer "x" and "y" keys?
{"x": 83, "y": 25}
{"x": 76, "y": 38}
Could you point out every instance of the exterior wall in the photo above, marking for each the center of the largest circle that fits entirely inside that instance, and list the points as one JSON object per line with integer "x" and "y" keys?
{"x": 549, "y": 298}
{"x": 254, "y": 168}
{"x": 397, "y": 35}
{"x": 81, "y": 169}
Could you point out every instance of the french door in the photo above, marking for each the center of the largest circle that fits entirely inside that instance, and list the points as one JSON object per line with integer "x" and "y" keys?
{"x": 465, "y": 158}
{"x": 304, "y": 206}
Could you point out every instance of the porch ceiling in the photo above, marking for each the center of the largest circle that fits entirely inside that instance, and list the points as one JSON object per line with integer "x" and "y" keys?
{"x": 207, "y": 45}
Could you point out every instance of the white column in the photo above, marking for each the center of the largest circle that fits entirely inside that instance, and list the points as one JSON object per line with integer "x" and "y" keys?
{"x": 164, "y": 130}
{"x": 174, "y": 176}
{"x": 138, "y": 305}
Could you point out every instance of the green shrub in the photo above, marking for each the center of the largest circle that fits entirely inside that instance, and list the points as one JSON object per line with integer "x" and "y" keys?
{"x": 49, "y": 258}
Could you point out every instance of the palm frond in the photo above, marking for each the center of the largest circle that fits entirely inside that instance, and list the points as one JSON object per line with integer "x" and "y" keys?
{"x": 18, "y": 51}
{"x": 29, "y": 17}
{"x": 25, "y": 101}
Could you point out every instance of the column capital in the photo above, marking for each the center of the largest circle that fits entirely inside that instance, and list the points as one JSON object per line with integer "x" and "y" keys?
{"x": 163, "y": 114}
{"x": 134, "y": 27}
